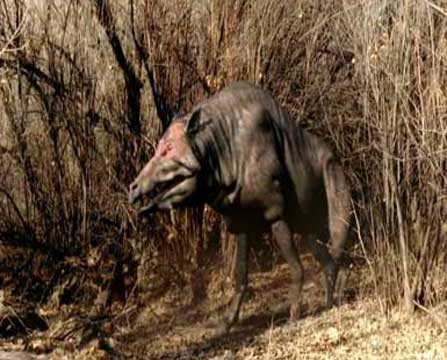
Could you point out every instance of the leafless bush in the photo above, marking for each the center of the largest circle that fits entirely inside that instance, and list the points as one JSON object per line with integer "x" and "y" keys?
{"x": 401, "y": 71}
{"x": 87, "y": 88}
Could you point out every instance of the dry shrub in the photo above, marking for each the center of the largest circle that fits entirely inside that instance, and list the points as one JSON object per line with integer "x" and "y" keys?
{"x": 400, "y": 58}
{"x": 369, "y": 77}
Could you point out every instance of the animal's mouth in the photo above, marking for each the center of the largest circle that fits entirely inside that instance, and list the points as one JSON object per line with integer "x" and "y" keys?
{"x": 156, "y": 195}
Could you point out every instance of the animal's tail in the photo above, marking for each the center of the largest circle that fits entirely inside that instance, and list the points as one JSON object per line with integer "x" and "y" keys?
{"x": 339, "y": 207}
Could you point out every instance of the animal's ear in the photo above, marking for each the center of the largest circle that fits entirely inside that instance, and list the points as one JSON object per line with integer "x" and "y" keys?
{"x": 193, "y": 123}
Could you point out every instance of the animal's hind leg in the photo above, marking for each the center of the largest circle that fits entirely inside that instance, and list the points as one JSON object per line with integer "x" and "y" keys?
{"x": 283, "y": 236}
{"x": 240, "y": 283}
{"x": 318, "y": 247}
{"x": 339, "y": 214}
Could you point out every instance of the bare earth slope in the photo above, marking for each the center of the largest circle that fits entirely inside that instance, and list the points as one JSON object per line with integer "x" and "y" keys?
{"x": 171, "y": 328}
{"x": 355, "y": 330}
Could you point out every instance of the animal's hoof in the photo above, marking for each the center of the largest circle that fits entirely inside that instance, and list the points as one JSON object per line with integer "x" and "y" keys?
{"x": 295, "y": 313}
{"x": 218, "y": 327}
{"x": 221, "y": 329}
{"x": 335, "y": 302}
{"x": 211, "y": 323}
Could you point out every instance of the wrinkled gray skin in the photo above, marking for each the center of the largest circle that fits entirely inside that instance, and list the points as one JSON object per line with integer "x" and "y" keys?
{"x": 240, "y": 152}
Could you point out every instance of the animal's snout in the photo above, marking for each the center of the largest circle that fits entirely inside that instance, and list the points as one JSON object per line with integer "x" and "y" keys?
{"x": 134, "y": 192}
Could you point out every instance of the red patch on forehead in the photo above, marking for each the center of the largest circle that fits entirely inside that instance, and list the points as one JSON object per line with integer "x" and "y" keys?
{"x": 167, "y": 147}
{"x": 172, "y": 139}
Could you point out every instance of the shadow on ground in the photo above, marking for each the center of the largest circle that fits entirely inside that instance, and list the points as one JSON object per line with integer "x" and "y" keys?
{"x": 184, "y": 332}
{"x": 240, "y": 336}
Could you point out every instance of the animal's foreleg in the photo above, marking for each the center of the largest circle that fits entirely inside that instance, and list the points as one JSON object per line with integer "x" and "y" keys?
{"x": 283, "y": 236}
{"x": 318, "y": 247}
{"x": 240, "y": 282}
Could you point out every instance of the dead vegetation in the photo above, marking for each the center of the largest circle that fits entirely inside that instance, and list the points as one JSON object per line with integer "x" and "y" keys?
{"x": 86, "y": 89}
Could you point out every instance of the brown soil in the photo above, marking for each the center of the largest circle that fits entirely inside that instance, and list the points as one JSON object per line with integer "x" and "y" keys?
{"x": 172, "y": 328}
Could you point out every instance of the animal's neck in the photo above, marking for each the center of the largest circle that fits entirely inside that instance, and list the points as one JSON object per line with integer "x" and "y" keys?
{"x": 214, "y": 148}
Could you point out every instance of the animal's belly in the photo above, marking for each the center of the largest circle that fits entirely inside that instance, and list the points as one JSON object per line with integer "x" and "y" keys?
{"x": 313, "y": 221}
{"x": 245, "y": 220}
{"x": 252, "y": 214}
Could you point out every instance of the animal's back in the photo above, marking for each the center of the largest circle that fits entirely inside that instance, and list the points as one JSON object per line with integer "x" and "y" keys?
{"x": 241, "y": 96}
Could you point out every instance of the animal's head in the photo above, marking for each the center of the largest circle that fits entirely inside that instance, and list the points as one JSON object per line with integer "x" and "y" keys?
{"x": 169, "y": 179}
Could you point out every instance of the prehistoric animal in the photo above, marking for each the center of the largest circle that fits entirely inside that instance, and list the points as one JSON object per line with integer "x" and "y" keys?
{"x": 242, "y": 154}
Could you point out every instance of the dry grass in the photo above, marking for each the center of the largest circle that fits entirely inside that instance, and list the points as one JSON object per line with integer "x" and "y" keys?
{"x": 357, "y": 331}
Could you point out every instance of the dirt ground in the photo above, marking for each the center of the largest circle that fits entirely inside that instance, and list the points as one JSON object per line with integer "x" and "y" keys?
{"x": 171, "y": 328}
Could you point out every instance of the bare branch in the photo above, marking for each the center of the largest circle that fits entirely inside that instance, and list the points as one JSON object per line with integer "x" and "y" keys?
{"x": 133, "y": 83}
{"x": 163, "y": 109}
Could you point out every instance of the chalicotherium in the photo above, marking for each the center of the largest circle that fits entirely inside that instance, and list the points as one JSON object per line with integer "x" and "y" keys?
{"x": 242, "y": 154}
